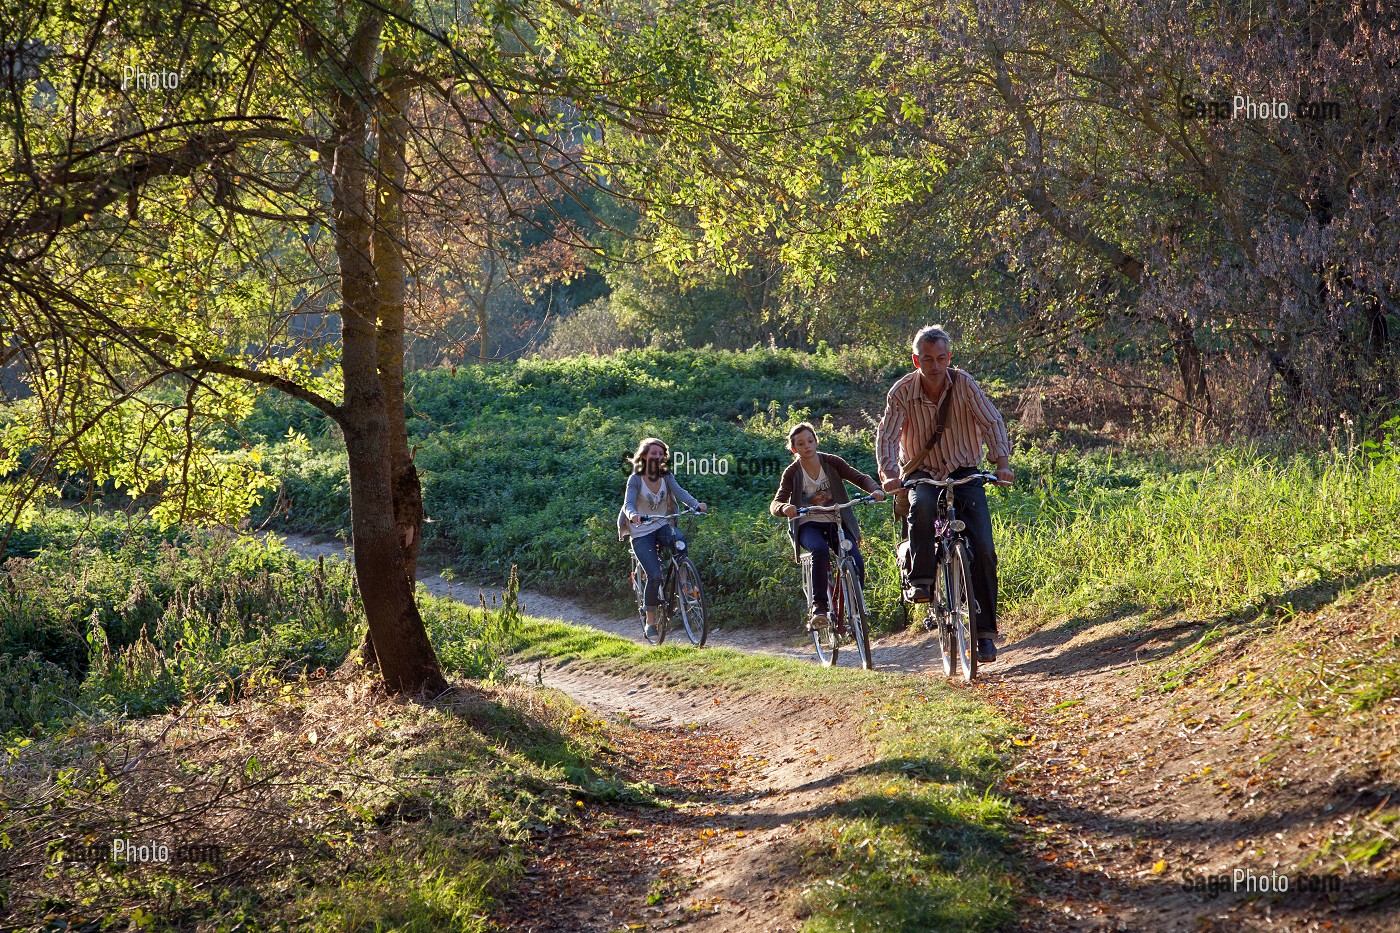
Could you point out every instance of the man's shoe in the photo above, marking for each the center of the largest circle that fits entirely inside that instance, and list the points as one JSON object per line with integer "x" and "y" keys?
{"x": 650, "y": 630}
{"x": 918, "y": 592}
{"x": 986, "y": 650}
{"x": 818, "y": 620}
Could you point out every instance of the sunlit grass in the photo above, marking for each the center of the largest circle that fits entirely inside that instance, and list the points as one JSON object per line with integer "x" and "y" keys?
{"x": 1243, "y": 530}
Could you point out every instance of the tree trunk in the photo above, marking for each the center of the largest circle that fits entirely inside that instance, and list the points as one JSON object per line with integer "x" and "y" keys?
{"x": 400, "y": 643}
{"x": 389, "y": 237}
{"x": 1377, "y": 328}
{"x": 483, "y": 317}
{"x": 1191, "y": 366}
{"x": 1278, "y": 356}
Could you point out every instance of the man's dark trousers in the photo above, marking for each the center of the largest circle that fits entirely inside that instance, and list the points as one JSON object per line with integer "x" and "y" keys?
{"x": 970, "y": 500}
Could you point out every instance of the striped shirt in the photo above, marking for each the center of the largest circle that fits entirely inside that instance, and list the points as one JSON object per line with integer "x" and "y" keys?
{"x": 910, "y": 419}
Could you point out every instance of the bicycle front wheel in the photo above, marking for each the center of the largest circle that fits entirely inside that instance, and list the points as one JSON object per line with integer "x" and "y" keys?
{"x": 940, "y": 617}
{"x": 960, "y": 609}
{"x": 690, "y": 600}
{"x": 857, "y": 620}
{"x": 827, "y": 639}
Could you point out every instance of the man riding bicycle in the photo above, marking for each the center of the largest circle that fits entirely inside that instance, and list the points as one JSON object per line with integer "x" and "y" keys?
{"x": 935, "y": 423}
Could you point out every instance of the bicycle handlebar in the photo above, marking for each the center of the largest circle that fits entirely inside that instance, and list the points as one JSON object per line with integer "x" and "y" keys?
{"x": 645, "y": 519}
{"x": 863, "y": 500}
{"x": 947, "y": 483}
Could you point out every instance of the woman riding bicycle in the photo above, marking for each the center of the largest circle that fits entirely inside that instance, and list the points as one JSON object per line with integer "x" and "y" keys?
{"x": 652, "y": 490}
{"x": 815, "y": 478}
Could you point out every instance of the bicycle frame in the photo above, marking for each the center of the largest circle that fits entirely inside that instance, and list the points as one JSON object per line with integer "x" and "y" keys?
{"x": 946, "y": 524}
{"x": 841, "y": 626}
{"x": 842, "y": 557}
{"x": 671, "y": 570}
{"x": 954, "y": 595}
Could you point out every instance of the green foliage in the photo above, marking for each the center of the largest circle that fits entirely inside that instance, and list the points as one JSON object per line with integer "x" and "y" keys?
{"x": 33, "y": 690}
{"x": 471, "y": 642}
{"x": 803, "y": 169}
{"x": 1234, "y": 528}
{"x": 136, "y": 619}
{"x": 106, "y": 615}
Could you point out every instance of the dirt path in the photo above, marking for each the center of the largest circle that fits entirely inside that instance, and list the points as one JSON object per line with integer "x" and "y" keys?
{"x": 726, "y": 859}
{"x": 1124, "y": 799}
{"x": 741, "y": 869}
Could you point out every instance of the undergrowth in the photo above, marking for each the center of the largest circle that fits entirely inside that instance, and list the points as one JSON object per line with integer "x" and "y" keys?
{"x": 522, "y": 465}
{"x": 314, "y": 805}
{"x": 107, "y": 616}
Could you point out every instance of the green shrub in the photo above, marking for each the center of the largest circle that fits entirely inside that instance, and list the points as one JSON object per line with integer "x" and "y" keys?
{"x": 32, "y": 690}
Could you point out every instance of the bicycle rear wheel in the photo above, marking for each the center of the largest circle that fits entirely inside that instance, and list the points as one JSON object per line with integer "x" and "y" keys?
{"x": 857, "y": 620}
{"x": 695, "y": 614}
{"x": 828, "y": 639}
{"x": 960, "y": 609}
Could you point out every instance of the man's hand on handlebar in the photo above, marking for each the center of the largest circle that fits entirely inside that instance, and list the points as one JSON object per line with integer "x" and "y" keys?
{"x": 878, "y": 496}
{"x": 892, "y": 485}
{"x": 790, "y": 511}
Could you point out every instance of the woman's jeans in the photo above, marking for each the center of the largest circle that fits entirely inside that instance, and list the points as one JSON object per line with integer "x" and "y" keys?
{"x": 818, "y": 538}
{"x": 646, "y": 551}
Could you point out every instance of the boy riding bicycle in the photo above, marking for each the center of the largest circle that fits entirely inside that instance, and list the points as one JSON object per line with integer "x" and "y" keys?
{"x": 819, "y": 479}
{"x": 935, "y": 423}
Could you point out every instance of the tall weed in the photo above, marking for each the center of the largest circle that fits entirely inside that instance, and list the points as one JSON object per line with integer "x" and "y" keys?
{"x": 1243, "y": 527}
